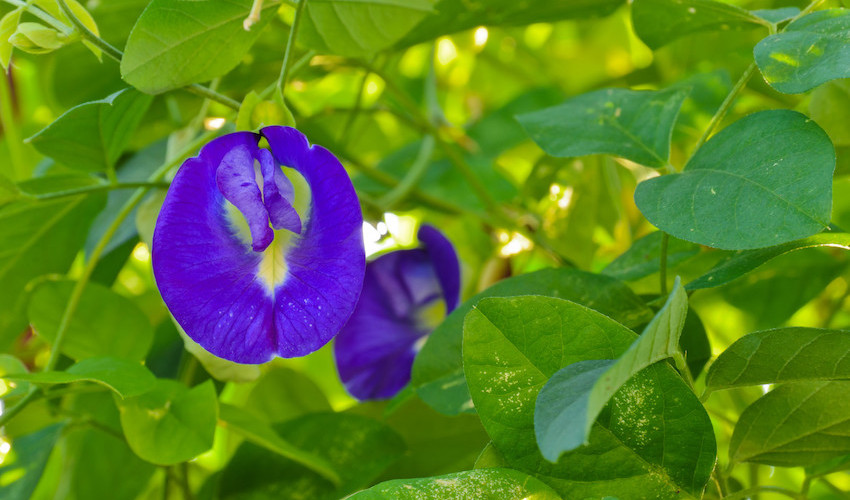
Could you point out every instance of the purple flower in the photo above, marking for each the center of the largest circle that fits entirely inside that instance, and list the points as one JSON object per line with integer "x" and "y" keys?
{"x": 241, "y": 289}
{"x": 405, "y": 295}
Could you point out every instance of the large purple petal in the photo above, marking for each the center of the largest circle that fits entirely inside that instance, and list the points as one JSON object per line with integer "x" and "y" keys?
{"x": 445, "y": 262}
{"x": 213, "y": 282}
{"x": 326, "y": 263}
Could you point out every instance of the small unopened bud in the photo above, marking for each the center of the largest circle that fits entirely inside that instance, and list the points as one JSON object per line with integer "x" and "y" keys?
{"x": 37, "y": 38}
{"x": 254, "y": 16}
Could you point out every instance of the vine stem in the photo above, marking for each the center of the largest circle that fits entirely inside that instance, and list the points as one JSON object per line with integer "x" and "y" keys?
{"x": 100, "y": 188}
{"x": 79, "y": 286}
{"x": 44, "y": 16}
{"x": 662, "y": 271}
{"x": 117, "y": 55}
{"x": 287, "y": 54}
{"x": 10, "y": 129}
{"x": 726, "y": 105}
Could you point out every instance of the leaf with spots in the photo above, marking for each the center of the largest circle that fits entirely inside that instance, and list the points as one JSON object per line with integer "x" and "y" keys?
{"x": 482, "y": 484}
{"x": 571, "y": 400}
{"x": 762, "y": 181}
{"x": 634, "y": 124}
{"x": 810, "y": 51}
{"x": 654, "y": 436}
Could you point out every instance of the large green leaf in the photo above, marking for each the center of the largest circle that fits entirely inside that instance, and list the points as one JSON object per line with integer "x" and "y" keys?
{"x": 90, "y": 137}
{"x": 124, "y": 377}
{"x": 570, "y": 402}
{"x": 653, "y": 437}
{"x": 170, "y": 423}
{"x": 37, "y": 238}
{"x": 104, "y": 324}
{"x": 659, "y": 22}
{"x": 794, "y": 425}
{"x": 762, "y": 181}
{"x": 358, "y": 447}
{"x": 22, "y": 468}
{"x": 634, "y": 124}
{"x": 782, "y": 355}
{"x": 644, "y": 257}
{"x": 829, "y": 106}
{"x": 482, "y": 484}
{"x": 258, "y": 432}
{"x": 176, "y": 43}
{"x": 438, "y": 368}
{"x": 810, "y": 51}
{"x": 359, "y": 27}
{"x": 745, "y": 261}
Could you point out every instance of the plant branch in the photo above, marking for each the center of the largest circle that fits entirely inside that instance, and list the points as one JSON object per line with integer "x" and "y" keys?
{"x": 662, "y": 271}
{"x": 725, "y": 106}
{"x": 101, "y": 187}
{"x": 44, "y": 16}
{"x": 287, "y": 54}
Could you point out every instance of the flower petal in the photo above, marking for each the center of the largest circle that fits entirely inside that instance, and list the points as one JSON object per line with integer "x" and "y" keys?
{"x": 236, "y": 180}
{"x": 278, "y": 193}
{"x": 446, "y": 265}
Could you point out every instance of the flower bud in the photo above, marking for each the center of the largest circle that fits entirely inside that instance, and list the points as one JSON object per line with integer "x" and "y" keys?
{"x": 37, "y": 38}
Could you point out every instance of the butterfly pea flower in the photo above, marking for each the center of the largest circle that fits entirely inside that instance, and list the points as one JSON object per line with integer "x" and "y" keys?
{"x": 406, "y": 294}
{"x": 259, "y": 252}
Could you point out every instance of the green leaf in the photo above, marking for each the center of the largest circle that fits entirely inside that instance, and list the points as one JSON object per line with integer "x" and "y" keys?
{"x": 22, "y": 468}
{"x": 8, "y": 25}
{"x": 744, "y": 262}
{"x": 103, "y": 466}
{"x": 795, "y": 425}
{"x": 644, "y": 257}
{"x": 782, "y": 355}
{"x": 170, "y": 423}
{"x": 655, "y": 436}
{"x": 283, "y": 394}
{"x": 90, "y": 137}
{"x": 37, "y": 238}
{"x": 438, "y": 368}
{"x": 778, "y": 15}
{"x": 359, "y": 27}
{"x": 829, "y": 106}
{"x": 634, "y": 124}
{"x": 258, "y": 432}
{"x": 10, "y": 364}
{"x": 124, "y": 377}
{"x": 105, "y": 323}
{"x": 810, "y": 51}
{"x": 490, "y": 458}
{"x": 9, "y": 192}
{"x": 176, "y": 43}
{"x": 694, "y": 343}
{"x": 569, "y": 403}
{"x": 659, "y": 22}
{"x": 482, "y": 484}
{"x": 762, "y": 181}
{"x": 359, "y": 448}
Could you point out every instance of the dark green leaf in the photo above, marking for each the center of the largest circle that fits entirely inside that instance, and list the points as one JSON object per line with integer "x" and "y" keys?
{"x": 176, "y": 43}
{"x": 764, "y": 180}
{"x": 361, "y": 27}
{"x": 659, "y": 22}
{"x": 569, "y": 403}
{"x": 782, "y": 355}
{"x": 90, "y": 137}
{"x": 644, "y": 257}
{"x": 655, "y": 436}
{"x": 694, "y": 343}
{"x": 794, "y": 425}
{"x": 124, "y": 377}
{"x": 634, "y": 124}
{"x": 482, "y": 484}
{"x": 438, "y": 368}
{"x": 37, "y": 238}
{"x": 829, "y": 106}
{"x": 21, "y": 469}
{"x": 103, "y": 466}
{"x": 810, "y": 51}
{"x": 744, "y": 262}
{"x": 171, "y": 423}
{"x": 105, "y": 323}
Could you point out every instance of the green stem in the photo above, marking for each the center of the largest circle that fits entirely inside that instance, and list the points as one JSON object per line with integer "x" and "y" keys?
{"x": 101, "y": 187}
{"x": 345, "y": 134}
{"x": 413, "y": 176}
{"x": 287, "y": 54}
{"x": 725, "y": 106}
{"x": 44, "y": 16}
{"x": 665, "y": 241}
{"x": 10, "y": 130}
{"x": 116, "y": 54}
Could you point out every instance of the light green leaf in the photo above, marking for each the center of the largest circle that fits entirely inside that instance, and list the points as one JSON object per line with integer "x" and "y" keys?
{"x": 829, "y": 107}
{"x": 782, "y": 355}
{"x": 482, "y": 484}
{"x": 90, "y": 137}
{"x": 634, "y": 124}
{"x": 762, "y": 181}
{"x": 810, "y": 51}
{"x": 11, "y": 364}
{"x": 778, "y": 15}
{"x": 105, "y": 323}
{"x": 38, "y": 238}
{"x": 258, "y": 432}
{"x": 799, "y": 424}
{"x": 359, "y": 27}
{"x": 655, "y": 435}
{"x": 170, "y": 423}
{"x": 745, "y": 261}
{"x": 8, "y": 25}
{"x": 9, "y": 192}
{"x": 438, "y": 368}
{"x": 490, "y": 458}
{"x": 124, "y": 377}
{"x": 176, "y": 43}
{"x": 573, "y": 398}
{"x": 22, "y": 469}
{"x": 644, "y": 257}
{"x": 659, "y": 22}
